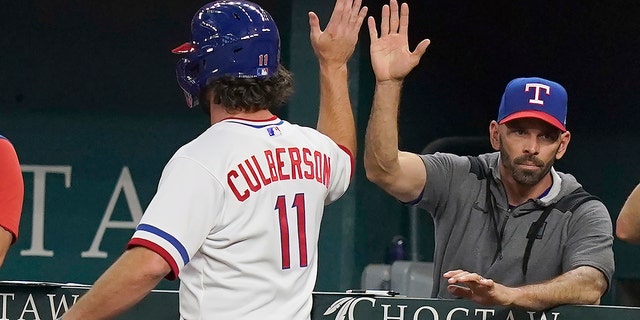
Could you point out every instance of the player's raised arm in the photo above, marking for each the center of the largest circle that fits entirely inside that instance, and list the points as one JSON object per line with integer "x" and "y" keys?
{"x": 334, "y": 47}
{"x": 401, "y": 174}
{"x": 628, "y": 222}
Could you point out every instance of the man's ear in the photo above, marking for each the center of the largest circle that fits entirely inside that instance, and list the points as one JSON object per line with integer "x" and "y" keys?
{"x": 565, "y": 137}
{"x": 494, "y": 135}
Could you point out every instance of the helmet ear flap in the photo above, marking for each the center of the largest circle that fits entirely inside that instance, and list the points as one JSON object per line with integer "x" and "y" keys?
{"x": 187, "y": 73}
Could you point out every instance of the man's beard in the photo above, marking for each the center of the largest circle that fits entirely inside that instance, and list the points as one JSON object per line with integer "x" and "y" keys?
{"x": 524, "y": 176}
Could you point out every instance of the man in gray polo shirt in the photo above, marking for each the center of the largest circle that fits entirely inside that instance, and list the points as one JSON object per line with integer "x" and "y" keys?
{"x": 484, "y": 207}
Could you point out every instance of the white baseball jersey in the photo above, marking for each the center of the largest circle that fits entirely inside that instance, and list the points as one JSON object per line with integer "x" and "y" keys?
{"x": 237, "y": 216}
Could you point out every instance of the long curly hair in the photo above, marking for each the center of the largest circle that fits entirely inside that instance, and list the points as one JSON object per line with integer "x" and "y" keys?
{"x": 249, "y": 94}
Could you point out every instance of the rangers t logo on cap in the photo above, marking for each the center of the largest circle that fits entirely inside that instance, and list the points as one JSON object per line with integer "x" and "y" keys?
{"x": 534, "y": 98}
{"x": 537, "y": 86}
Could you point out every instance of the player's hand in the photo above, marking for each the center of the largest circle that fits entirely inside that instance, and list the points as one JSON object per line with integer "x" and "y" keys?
{"x": 391, "y": 58}
{"x": 474, "y": 287}
{"x": 336, "y": 43}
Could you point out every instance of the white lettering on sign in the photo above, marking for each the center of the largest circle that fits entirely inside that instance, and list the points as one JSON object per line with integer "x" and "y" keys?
{"x": 33, "y": 304}
{"x": 344, "y": 309}
{"x": 39, "y": 182}
{"x": 124, "y": 185}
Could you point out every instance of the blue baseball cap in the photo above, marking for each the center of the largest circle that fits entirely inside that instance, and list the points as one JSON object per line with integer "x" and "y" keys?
{"x": 534, "y": 98}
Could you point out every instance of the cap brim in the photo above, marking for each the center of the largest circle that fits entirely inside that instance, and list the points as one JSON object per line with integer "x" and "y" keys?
{"x": 184, "y": 48}
{"x": 535, "y": 114}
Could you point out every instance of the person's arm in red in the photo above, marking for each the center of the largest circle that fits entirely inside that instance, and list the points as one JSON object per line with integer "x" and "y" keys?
{"x": 11, "y": 196}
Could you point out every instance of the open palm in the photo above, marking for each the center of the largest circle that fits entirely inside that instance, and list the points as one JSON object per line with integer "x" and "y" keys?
{"x": 337, "y": 42}
{"x": 391, "y": 58}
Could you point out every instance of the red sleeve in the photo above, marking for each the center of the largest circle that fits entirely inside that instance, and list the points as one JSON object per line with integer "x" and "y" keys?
{"x": 135, "y": 242}
{"x": 353, "y": 163}
{"x": 11, "y": 188}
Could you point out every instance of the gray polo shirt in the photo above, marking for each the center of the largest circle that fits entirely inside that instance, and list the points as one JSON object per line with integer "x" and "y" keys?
{"x": 467, "y": 236}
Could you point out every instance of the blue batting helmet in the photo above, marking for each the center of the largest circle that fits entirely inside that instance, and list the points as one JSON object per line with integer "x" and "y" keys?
{"x": 235, "y": 38}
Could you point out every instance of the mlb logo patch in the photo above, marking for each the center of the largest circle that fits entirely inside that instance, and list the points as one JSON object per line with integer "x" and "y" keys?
{"x": 274, "y": 131}
{"x": 262, "y": 71}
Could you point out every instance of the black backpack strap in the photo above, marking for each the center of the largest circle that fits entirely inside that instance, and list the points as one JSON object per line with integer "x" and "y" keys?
{"x": 575, "y": 199}
{"x": 532, "y": 235}
{"x": 568, "y": 203}
{"x": 477, "y": 168}
{"x": 482, "y": 173}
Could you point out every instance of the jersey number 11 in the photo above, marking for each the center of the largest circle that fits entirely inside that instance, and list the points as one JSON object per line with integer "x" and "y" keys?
{"x": 281, "y": 206}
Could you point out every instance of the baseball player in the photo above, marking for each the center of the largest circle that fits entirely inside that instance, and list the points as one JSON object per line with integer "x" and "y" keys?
{"x": 11, "y": 196}
{"x": 506, "y": 232}
{"x": 237, "y": 213}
